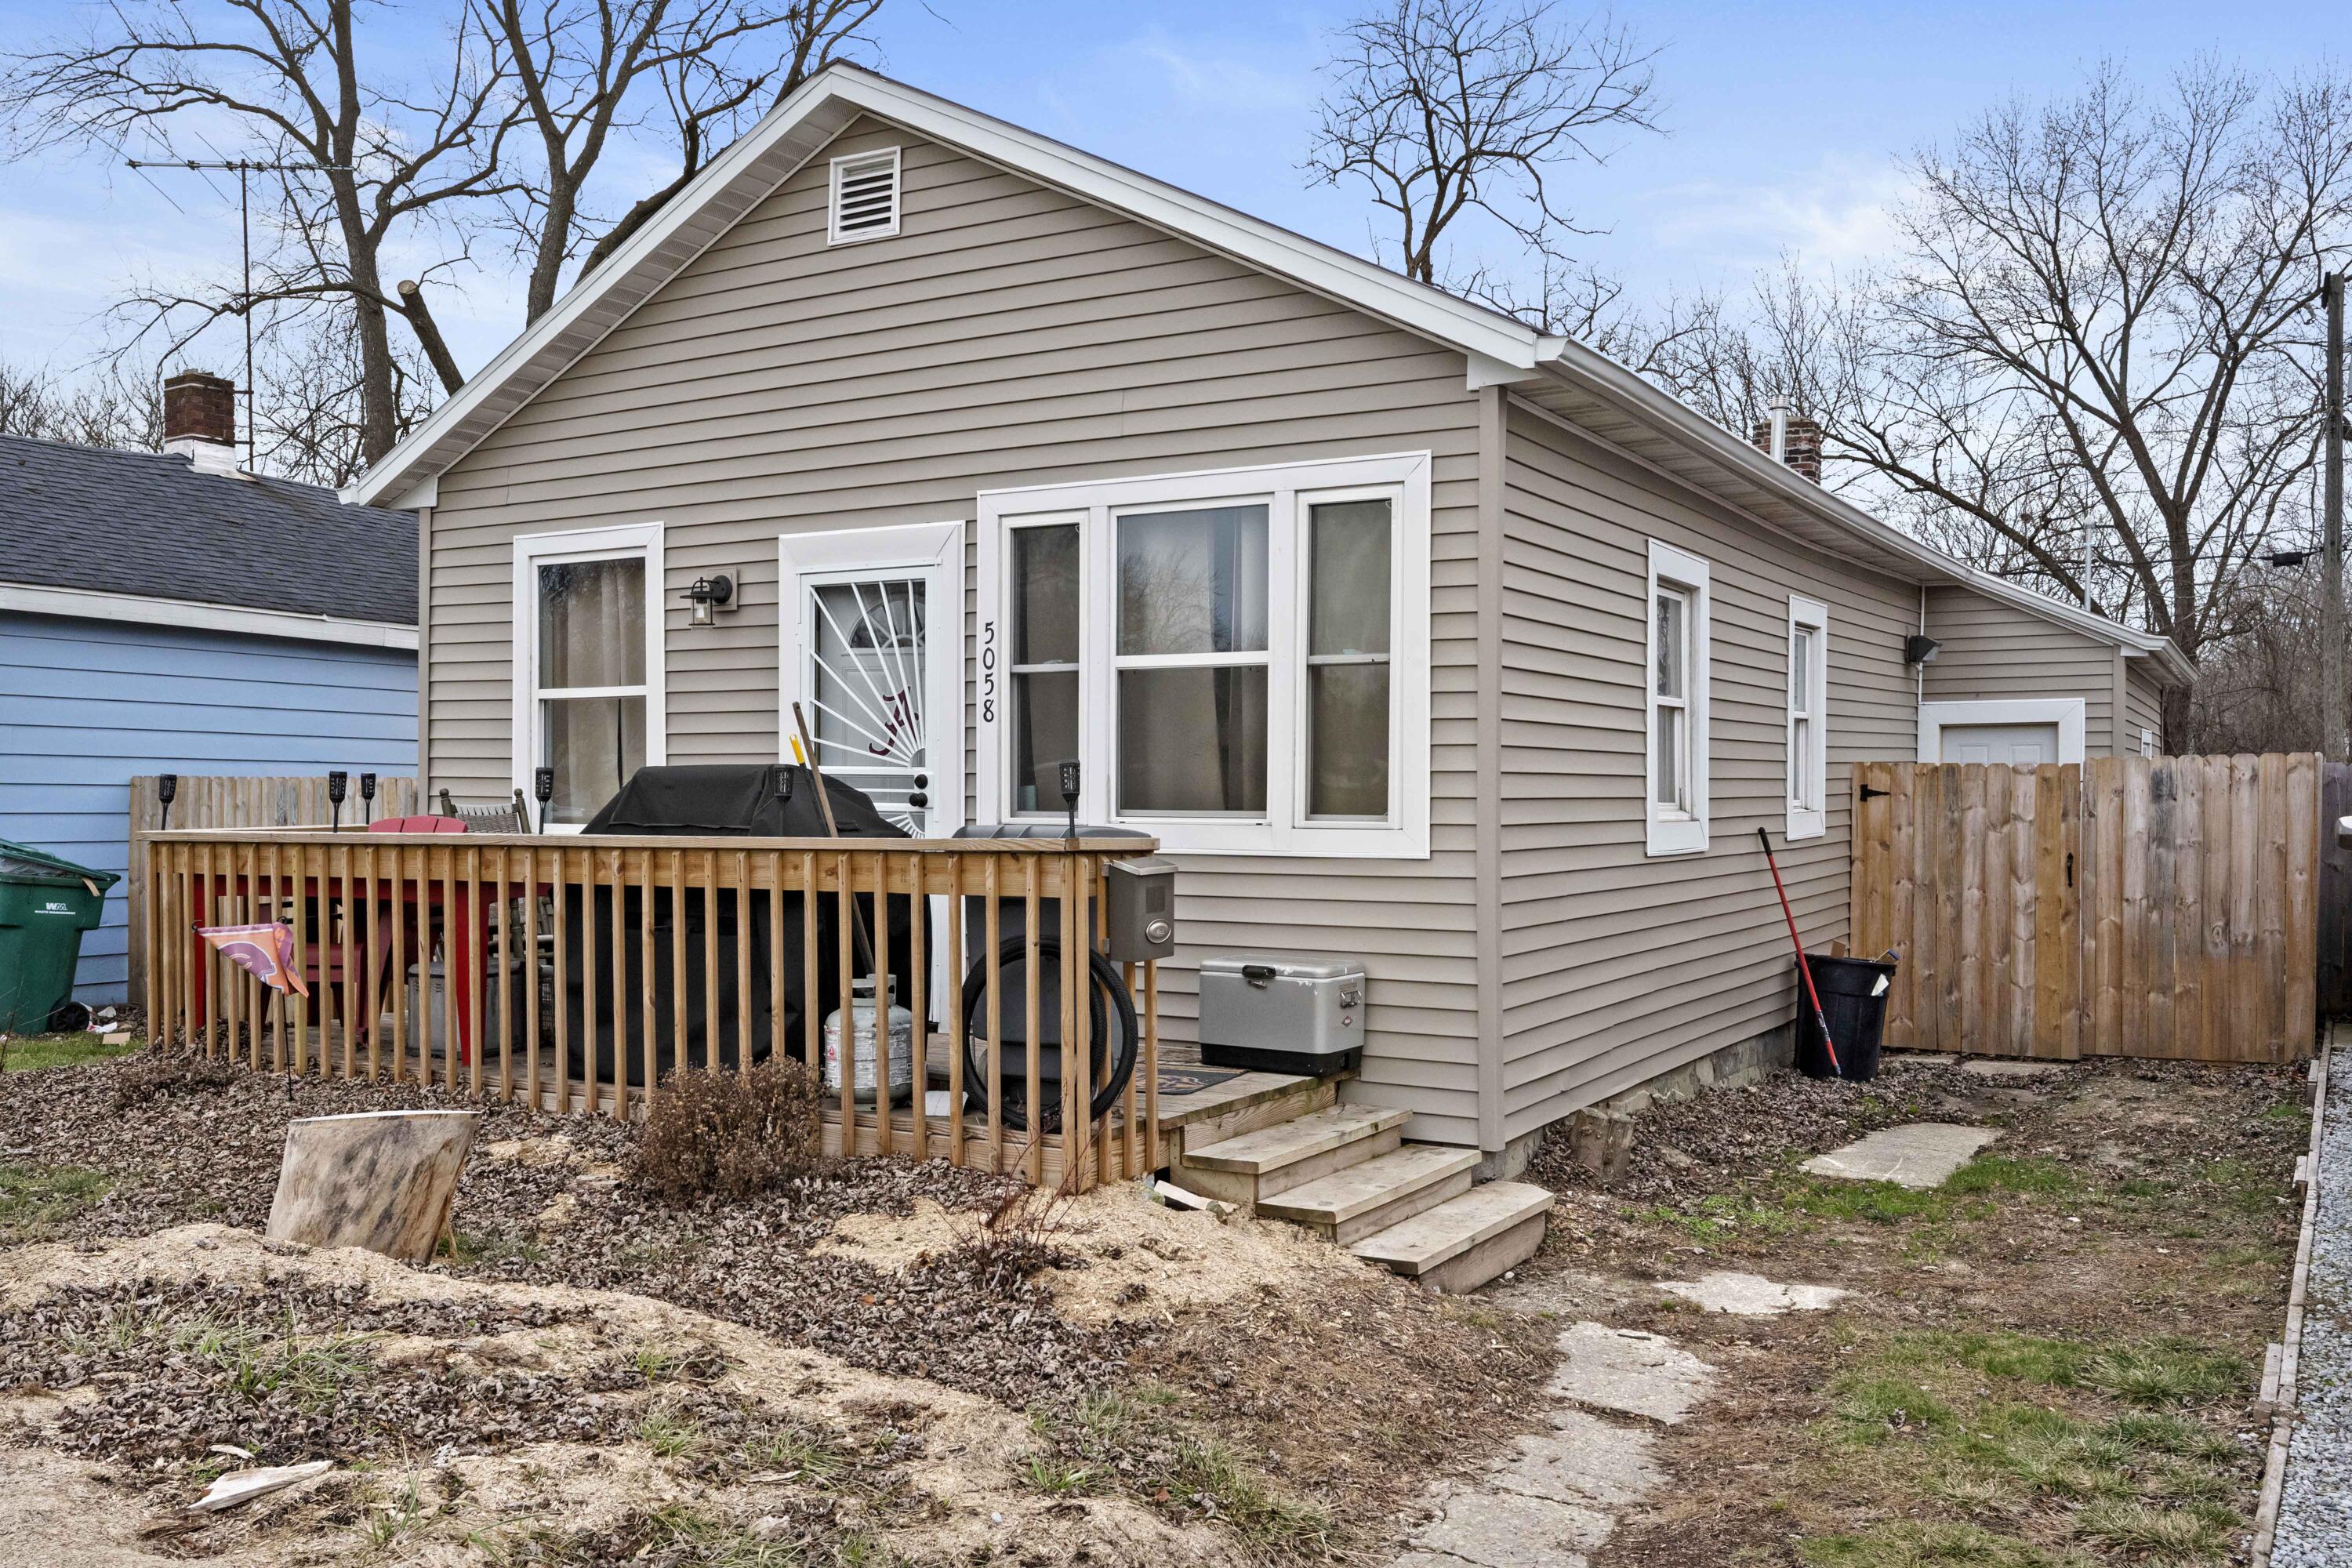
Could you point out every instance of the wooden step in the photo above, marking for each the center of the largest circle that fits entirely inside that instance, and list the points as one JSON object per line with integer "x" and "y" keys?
{"x": 1236, "y": 1106}
{"x": 1257, "y": 1165}
{"x": 1350, "y": 1204}
{"x": 1464, "y": 1242}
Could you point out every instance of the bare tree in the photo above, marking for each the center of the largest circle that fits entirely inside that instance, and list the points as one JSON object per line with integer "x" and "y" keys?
{"x": 122, "y": 408}
{"x": 1440, "y": 107}
{"x": 699, "y": 66}
{"x": 368, "y": 161}
{"x": 309, "y": 421}
{"x": 2092, "y": 364}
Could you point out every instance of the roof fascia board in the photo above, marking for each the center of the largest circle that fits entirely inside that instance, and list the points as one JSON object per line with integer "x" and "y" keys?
{"x": 84, "y": 604}
{"x": 1348, "y": 280}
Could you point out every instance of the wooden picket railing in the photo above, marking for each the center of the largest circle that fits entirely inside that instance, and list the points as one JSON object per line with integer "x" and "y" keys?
{"x": 507, "y": 912}
{"x": 238, "y": 800}
{"x": 2129, "y": 906}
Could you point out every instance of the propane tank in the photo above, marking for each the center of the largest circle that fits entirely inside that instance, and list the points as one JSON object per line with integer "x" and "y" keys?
{"x": 862, "y": 1052}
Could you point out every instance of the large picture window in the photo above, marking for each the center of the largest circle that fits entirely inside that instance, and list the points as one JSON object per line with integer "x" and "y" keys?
{"x": 587, "y": 609}
{"x": 1238, "y": 660}
{"x": 1675, "y": 699}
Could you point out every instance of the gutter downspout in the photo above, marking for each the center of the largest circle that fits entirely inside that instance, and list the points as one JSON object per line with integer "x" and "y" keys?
{"x": 1487, "y": 855}
{"x": 424, "y": 642}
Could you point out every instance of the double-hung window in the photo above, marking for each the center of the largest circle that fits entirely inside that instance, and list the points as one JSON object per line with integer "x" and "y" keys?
{"x": 1808, "y": 731}
{"x": 1676, "y": 698}
{"x": 587, "y": 663}
{"x": 1237, "y": 660}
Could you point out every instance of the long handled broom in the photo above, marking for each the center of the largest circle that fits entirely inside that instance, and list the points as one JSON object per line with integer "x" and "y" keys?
{"x": 1803, "y": 968}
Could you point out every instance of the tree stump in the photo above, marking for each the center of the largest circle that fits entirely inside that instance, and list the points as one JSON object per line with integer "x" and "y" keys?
{"x": 380, "y": 1179}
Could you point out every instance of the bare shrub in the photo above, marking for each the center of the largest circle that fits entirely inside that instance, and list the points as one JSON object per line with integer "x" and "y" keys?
{"x": 732, "y": 1134}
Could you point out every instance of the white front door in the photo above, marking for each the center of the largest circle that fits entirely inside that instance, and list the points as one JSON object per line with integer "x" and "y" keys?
{"x": 2022, "y": 745}
{"x": 872, "y": 648}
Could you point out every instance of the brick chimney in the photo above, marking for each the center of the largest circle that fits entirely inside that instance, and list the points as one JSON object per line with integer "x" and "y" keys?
{"x": 200, "y": 420}
{"x": 1791, "y": 439}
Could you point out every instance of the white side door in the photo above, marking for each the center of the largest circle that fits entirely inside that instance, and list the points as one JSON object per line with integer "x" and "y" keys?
{"x": 2019, "y": 744}
{"x": 871, "y": 633}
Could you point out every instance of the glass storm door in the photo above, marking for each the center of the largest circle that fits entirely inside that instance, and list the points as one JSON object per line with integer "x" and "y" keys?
{"x": 868, "y": 679}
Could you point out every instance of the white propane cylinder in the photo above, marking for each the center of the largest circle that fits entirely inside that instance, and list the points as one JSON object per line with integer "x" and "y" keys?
{"x": 862, "y": 1052}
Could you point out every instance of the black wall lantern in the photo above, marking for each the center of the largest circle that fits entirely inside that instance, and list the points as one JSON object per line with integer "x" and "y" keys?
{"x": 1919, "y": 649}
{"x": 709, "y": 594}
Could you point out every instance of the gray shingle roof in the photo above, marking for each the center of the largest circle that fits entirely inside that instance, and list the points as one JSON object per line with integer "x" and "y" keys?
{"x": 144, "y": 522}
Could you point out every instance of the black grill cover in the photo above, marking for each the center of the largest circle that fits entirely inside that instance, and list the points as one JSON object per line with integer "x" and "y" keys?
{"x": 759, "y": 800}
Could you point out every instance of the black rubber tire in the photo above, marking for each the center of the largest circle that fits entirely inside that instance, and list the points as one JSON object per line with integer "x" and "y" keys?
{"x": 1107, "y": 983}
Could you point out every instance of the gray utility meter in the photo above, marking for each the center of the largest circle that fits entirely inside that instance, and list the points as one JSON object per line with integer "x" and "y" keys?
{"x": 1143, "y": 909}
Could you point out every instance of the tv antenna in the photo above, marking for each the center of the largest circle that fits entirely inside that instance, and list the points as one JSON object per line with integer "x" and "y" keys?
{"x": 243, "y": 169}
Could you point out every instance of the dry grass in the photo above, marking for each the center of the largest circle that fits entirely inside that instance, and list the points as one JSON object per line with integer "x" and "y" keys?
{"x": 733, "y": 1135}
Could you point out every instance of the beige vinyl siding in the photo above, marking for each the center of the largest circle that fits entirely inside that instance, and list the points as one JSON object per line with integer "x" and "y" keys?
{"x": 1619, "y": 965}
{"x": 1009, "y": 335}
{"x": 2143, "y": 706}
{"x": 1995, "y": 650}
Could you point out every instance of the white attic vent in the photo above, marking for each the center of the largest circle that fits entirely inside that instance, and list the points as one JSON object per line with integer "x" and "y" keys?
{"x": 864, "y": 201}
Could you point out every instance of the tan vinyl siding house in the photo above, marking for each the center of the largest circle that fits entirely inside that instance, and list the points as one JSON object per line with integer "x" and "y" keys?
{"x": 1040, "y": 341}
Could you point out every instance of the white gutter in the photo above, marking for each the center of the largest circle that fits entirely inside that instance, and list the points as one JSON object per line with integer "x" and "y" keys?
{"x": 82, "y": 604}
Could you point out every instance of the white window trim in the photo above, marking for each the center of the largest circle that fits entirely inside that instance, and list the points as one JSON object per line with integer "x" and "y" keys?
{"x": 531, "y": 552}
{"x": 1287, "y": 488}
{"x": 833, "y": 235}
{"x": 1810, "y": 822}
{"x": 1669, "y": 831}
{"x": 933, "y": 547}
{"x": 2067, "y": 712}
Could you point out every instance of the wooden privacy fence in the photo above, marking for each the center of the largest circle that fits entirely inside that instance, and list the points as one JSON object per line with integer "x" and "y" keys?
{"x": 2129, "y": 906}
{"x": 221, "y": 800}
{"x": 574, "y": 972}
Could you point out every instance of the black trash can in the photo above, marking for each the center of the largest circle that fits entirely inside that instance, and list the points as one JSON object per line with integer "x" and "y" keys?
{"x": 1853, "y": 998}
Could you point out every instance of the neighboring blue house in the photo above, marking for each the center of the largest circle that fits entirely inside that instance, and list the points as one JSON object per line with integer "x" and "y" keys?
{"x": 169, "y": 613}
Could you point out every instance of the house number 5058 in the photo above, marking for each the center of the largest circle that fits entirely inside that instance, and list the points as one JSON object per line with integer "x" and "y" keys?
{"x": 987, "y": 673}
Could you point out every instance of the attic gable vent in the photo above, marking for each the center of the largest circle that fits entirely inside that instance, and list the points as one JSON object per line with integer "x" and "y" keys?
{"x": 865, "y": 203}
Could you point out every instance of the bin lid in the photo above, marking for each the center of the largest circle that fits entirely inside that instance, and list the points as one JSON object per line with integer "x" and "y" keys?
{"x": 1288, "y": 966}
{"x": 23, "y": 863}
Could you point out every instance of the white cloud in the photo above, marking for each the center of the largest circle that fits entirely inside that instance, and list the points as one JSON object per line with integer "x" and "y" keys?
{"x": 1834, "y": 217}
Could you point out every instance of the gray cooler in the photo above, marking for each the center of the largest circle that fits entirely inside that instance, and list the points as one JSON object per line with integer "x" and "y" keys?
{"x": 1276, "y": 1014}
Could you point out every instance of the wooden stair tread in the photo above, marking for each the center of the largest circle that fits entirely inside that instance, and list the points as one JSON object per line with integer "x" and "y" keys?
{"x": 1301, "y": 1138}
{"x": 1343, "y": 1194}
{"x": 1435, "y": 1235}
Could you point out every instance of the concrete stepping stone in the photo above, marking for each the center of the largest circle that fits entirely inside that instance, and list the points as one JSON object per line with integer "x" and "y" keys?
{"x": 1751, "y": 1295}
{"x": 1921, "y": 1154}
{"x": 1997, "y": 1069}
{"x": 1509, "y": 1529}
{"x": 1630, "y": 1372}
{"x": 1585, "y": 1459}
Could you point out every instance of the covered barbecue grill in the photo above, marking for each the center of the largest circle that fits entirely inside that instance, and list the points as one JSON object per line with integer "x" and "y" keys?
{"x": 725, "y": 800}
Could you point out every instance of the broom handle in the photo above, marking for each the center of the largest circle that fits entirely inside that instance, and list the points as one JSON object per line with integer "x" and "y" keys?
{"x": 824, "y": 804}
{"x": 1803, "y": 968}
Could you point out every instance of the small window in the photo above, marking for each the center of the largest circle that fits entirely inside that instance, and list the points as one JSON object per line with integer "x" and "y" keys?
{"x": 588, "y": 697}
{"x": 864, "y": 196}
{"x": 1350, "y": 547}
{"x": 1043, "y": 671}
{"x": 1808, "y": 731}
{"x": 1676, "y": 696}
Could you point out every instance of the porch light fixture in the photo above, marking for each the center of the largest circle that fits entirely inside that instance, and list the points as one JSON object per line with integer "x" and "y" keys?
{"x": 708, "y": 593}
{"x": 1918, "y": 648}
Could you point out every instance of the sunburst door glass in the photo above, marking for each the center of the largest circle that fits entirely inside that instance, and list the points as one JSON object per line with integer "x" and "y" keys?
{"x": 870, "y": 644}
{"x": 1044, "y": 670}
{"x": 1347, "y": 659}
{"x": 591, "y": 681}
{"x": 1191, "y": 653}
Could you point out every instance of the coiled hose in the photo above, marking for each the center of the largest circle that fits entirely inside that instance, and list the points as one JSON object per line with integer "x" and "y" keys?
{"x": 1107, "y": 1005}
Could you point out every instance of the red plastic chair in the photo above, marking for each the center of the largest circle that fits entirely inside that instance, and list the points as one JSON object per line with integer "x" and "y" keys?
{"x": 419, "y": 921}
{"x": 416, "y": 825}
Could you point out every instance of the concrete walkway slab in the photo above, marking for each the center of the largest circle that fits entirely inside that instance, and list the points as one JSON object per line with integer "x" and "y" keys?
{"x": 1629, "y": 1372}
{"x": 1510, "y": 1529}
{"x": 1585, "y": 1459}
{"x": 1999, "y": 1068}
{"x": 1751, "y": 1295}
{"x": 1921, "y": 1154}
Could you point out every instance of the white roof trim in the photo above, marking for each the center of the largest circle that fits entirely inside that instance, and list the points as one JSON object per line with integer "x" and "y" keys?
{"x": 1499, "y": 349}
{"x": 84, "y": 604}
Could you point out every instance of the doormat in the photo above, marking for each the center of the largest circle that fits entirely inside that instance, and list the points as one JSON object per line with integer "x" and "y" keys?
{"x": 1193, "y": 1079}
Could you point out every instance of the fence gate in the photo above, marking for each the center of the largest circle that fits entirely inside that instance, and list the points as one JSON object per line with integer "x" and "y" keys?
{"x": 2130, "y": 906}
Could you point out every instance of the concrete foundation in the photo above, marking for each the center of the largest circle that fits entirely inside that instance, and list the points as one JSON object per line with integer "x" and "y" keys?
{"x": 1731, "y": 1066}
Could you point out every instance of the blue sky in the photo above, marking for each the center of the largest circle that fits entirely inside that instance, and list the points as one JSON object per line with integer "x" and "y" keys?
{"x": 1784, "y": 126}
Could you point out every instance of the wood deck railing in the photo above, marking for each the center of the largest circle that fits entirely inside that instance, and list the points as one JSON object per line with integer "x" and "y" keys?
{"x": 574, "y": 975}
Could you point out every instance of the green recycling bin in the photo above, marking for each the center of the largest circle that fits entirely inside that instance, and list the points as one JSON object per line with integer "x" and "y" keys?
{"x": 46, "y": 904}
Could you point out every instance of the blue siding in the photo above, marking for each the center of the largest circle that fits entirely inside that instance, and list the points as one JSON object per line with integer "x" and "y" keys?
{"x": 85, "y": 706}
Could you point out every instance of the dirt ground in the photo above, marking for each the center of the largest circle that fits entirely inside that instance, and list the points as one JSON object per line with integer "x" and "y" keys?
{"x": 852, "y": 1370}
{"x": 2053, "y": 1360}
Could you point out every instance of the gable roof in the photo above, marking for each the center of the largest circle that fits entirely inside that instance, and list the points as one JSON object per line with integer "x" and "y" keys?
{"x": 149, "y": 525}
{"x": 1558, "y": 374}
